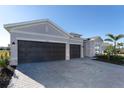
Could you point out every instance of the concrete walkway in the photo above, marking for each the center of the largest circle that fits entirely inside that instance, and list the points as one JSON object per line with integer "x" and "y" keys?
{"x": 20, "y": 80}
{"x": 78, "y": 73}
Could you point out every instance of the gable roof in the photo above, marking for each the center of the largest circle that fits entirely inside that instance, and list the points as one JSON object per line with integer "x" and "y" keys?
{"x": 13, "y": 25}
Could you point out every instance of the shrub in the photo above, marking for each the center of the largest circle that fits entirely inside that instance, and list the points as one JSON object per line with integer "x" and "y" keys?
{"x": 109, "y": 50}
{"x": 6, "y": 71}
{"x": 4, "y": 60}
{"x": 3, "y": 63}
{"x": 115, "y": 59}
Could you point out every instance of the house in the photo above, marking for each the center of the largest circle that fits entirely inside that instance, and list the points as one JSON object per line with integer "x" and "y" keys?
{"x": 42, "y": 40}
{"x": 93, "y": 46}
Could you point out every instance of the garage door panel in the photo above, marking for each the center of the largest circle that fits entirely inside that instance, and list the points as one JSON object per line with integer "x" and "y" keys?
{"x": 32, "y": 51}
{"x": 75, "y": 51}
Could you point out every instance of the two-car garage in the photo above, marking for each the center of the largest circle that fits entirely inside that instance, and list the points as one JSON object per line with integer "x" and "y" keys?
{"x": 34, "y": 51}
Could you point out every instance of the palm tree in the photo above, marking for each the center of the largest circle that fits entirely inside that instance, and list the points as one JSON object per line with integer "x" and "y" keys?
{"x": 114, "y": 39}
{"x": 120, "y": 45}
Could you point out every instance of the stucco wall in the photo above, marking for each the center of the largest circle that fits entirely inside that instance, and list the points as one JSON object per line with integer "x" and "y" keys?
{"x": 17, "y": 35}
{"x": 40, "y": 28}
{"x": 89, "y": 47}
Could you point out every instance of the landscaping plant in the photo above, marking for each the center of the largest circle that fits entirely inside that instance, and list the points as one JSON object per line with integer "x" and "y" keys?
{"x": 111, "y": 53}
{"x": 114, "y": 38}
{"x": 6, "y": 71}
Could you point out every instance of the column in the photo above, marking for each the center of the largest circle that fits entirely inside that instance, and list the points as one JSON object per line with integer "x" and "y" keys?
{"x": 67, "y": 55}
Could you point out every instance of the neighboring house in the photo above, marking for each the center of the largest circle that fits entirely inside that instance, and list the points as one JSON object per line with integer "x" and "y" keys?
{"x": 93, "y": 46}
{"x": 42, "y": 40}
{"x": 122, "y": 51}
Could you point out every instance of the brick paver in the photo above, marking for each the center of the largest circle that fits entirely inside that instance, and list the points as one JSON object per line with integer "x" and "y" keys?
{"x": 20, "y": 80}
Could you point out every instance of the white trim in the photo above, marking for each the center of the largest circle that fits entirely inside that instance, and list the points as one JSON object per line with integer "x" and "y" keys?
{"x": 31, "y": 33}
{"x": 56, "y": 29}
{"x": 82, "y": 51}
{"x": 25, "y": 26}
{"x": 40, "y": 40}
{"x": 75, "y": 43}
{"x": 43, "y": 40}
{"x": 38, "y": 34}
{"x": 67, "y": 51}
{"x": 60, "y": 29}
{"x": 81, "y": 40}
{"x": 7, "y": 26}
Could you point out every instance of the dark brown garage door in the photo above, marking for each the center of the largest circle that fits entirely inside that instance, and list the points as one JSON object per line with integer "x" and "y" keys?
{"x": 74, "y": 51}
{"x": 32, "y": 51}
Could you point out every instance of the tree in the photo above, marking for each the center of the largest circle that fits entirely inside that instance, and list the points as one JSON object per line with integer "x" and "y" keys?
{"x": 120, "y": 45}
{"x": 109, "y": 51}
{"x": 114, "y": 38}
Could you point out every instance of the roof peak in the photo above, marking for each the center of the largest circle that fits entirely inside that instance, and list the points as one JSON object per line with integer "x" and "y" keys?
{"x": 10, "y": 25}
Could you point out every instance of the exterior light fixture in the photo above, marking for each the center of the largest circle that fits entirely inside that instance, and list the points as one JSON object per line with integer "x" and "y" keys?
{"x": 13, "y": 43}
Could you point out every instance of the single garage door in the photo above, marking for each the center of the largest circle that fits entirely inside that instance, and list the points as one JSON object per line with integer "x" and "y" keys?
{"x": 33, "y": 51}
{"x": 75, "y": 51}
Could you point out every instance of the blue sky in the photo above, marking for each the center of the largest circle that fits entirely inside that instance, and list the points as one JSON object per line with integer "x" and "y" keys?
{"x": 86, "y": 20}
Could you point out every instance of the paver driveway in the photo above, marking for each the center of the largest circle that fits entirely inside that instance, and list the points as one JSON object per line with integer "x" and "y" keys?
{"x": 77, "y": 73}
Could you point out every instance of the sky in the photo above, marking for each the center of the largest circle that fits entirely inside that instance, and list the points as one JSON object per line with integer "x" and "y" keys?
{"x": 89, "y": 21}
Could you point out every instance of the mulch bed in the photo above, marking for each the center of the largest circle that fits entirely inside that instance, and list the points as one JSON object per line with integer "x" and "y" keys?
{"x": 5, "y": 77}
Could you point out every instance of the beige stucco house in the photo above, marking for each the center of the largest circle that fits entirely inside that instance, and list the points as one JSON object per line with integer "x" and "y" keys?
{"x": 42, "y": 40}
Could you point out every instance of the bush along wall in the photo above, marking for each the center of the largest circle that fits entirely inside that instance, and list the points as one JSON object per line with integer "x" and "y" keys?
{"x": 115, "y": 59}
